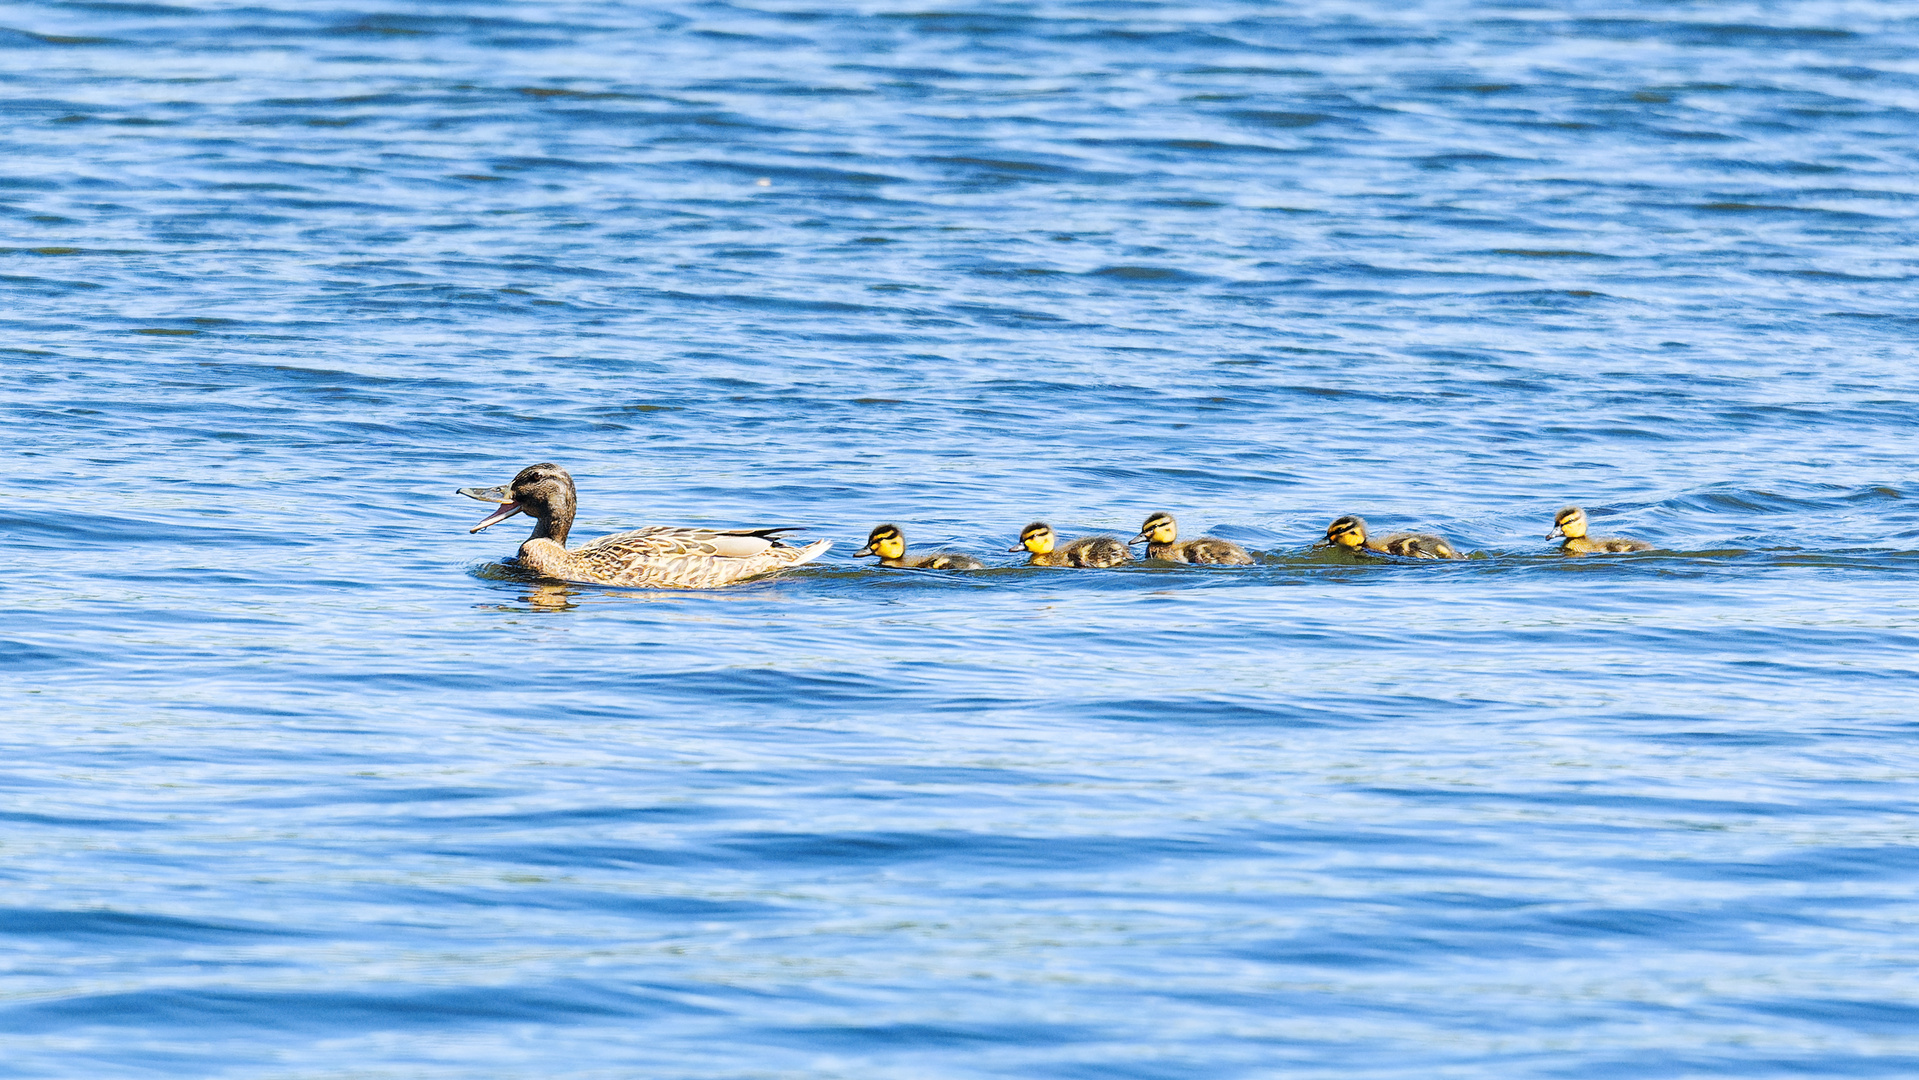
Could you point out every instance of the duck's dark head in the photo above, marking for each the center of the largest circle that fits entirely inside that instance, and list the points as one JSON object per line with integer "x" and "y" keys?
{"x": 543, "y": 492}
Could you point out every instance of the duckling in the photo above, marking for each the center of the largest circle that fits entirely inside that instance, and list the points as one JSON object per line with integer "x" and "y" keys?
{"x": 1571, "y": 524}
{"x": 1161, "y": 532}
{"x": 658, "y": 556}
{"x": 1088, "y": 551}
{"x": 889, "y": 544}
{"x": 1349, "y": 532}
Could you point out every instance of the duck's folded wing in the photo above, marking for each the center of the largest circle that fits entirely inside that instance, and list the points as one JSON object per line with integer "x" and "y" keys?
{"x": 669, "y": 558}
{"x": 664, "y": 541}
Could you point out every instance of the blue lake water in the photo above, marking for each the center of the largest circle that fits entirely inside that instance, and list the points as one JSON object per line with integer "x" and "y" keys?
{"x": 300, "y": 782}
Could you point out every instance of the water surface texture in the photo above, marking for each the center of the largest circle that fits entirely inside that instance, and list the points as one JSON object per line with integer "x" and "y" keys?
{"x": 299, "y": 780}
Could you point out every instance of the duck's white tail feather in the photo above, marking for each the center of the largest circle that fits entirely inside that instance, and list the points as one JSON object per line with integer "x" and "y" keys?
{"x": 811, "y": 551}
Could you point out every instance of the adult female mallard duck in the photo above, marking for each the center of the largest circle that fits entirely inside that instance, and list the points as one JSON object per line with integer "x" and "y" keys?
{"x": 1161, "y": 534}
{"x": 1094, "y": 552}
{"x": 1349, "y": 532}
{"x": 1571, "y": 524}
{"x": 889, "y": 544}
{"x": 656, "y": 557}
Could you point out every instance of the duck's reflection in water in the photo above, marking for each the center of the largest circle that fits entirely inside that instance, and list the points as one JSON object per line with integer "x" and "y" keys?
{"x": 550, "y": 597}
{"x": 540, "y": 596}
{"x": 561, "y": 596}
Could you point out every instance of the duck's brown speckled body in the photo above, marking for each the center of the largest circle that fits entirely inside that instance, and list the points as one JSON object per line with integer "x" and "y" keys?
{"x": 1571, "y": 524}
{"x": 889, "y": 543}
{"x": 656, "y": 557}
{"x": 1090, "y": 552}
{"x": 1161, "y": 536}
{"x": 1349, "y": 532}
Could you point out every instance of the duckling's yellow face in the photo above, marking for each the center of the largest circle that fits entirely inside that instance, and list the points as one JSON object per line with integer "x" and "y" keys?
{"x": 1159, "y": 529}
{"x": 886, "y": 541}
{"x": 1038, "y": 538}
{"x": 1569, "y": 523}
{"x": 1347, "y": 532}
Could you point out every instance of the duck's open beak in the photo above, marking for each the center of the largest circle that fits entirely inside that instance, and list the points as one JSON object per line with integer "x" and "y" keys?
{"x": 493, "y": 495}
